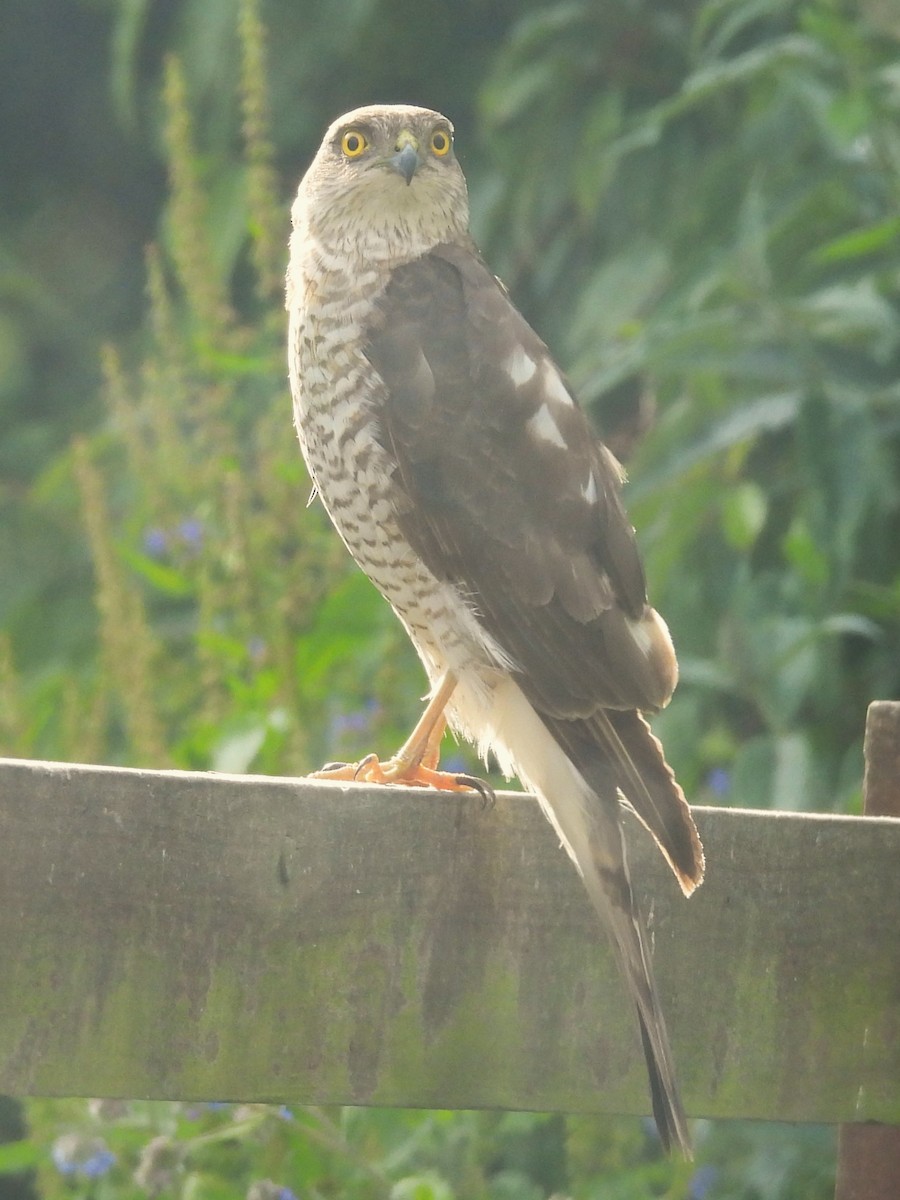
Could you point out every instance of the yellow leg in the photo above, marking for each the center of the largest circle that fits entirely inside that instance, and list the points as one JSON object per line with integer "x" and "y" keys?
{"x": 432, "y": 755}
{"x": 415, "y": 763}
{"x": 424, "y": 743}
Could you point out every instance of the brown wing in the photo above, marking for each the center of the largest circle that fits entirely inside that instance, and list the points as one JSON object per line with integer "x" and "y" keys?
{"x": 503, "y": 489}
{"x": 509, "y": 494}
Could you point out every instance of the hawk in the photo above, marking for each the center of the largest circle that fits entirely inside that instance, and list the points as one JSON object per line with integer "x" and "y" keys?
{"x": 463, "y": 477}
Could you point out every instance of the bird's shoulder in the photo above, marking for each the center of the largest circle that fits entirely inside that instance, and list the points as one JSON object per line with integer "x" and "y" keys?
{"x": 465, "y": 372}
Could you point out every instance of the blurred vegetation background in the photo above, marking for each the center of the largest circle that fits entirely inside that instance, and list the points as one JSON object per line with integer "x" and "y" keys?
{"x": 695, "y": 202}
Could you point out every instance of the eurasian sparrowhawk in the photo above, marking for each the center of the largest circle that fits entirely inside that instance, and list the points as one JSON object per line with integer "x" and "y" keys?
{"x": 456, "y": 465}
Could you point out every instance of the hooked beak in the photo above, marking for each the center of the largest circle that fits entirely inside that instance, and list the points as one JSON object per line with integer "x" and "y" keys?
{"x": 406, "y": 160}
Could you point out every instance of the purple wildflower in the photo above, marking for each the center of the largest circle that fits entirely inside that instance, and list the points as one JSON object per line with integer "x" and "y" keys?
{"x": 191, "y": 531}
{"x": 74, "y": 1154}
{"x": 719, "y": 781}
{"x": 156, "y": 542}
{"x": 359, "y": 720}
{"x": 701, "y": 1181}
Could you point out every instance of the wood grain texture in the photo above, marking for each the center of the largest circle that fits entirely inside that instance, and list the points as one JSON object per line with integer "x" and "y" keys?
{"x": 869, "y": 1155}
{"x": 191, "y": 936}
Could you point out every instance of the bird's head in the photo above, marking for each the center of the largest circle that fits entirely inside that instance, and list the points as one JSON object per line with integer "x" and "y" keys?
{"x": 384, "y": 172}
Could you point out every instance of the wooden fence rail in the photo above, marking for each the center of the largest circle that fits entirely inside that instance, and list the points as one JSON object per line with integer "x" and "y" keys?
{"x": 177, "y": 935}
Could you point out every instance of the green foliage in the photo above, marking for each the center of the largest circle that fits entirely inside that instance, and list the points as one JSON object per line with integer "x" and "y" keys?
{"x": 214, "y": 592}
{"x": 132, "y": 1149}
{"x": 721, "y": 212}
{"x": 695, "y": 204}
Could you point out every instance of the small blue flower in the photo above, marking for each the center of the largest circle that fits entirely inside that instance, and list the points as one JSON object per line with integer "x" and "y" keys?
{"x": 285, "y": 1113}
{"x": 701, "y": 1181}
{"x": 74, "y": 1154}
{"x": 285, "y": 1193}
{"x": 354, "y": 722}
{"x": 719, "y": 781}
{"x": 98, "y": 1164}
{"x": 357, "y": 721}
{"x": 156, "y": 542}
{"x": 191, "y": 531}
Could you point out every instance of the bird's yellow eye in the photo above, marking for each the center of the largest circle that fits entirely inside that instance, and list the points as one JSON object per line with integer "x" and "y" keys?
{"x": 440, "y": 142}
{"x": 353, "y": 143}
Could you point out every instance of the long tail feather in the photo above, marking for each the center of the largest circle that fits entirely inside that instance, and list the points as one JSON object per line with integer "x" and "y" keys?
{"x": 578, "y": 792}
{"x": 609, "y": 886}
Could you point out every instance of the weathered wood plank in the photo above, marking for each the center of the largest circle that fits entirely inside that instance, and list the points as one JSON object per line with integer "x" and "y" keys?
{"x": 200, "y": 936}
{"x": 868, "y": 1165}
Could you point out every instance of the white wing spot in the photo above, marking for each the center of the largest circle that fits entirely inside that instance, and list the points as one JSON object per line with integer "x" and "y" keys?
{"x": 642, "y": 635}
{"x": 553, "y": 384}
{"x": 589, "y": 491}
{"x": 520, "y": 367}
{"x": 544, "y": 428}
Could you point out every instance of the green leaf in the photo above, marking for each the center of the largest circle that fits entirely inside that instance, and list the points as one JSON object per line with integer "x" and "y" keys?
{"x": 427, "y": 1186}
{"x": 162, "y": 576}
{"x": 744, "y": 510}
{"x": 746, "y": 423}
{"x": 801, "y": 551}
{"x": 871, "y": 239}
{"x": 19, "y": 1156}
{"x": 853, "y": 314}
{"x": 793, "y": 773}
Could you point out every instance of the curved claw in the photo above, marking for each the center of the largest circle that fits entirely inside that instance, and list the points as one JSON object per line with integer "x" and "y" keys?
{"x": 482, "y": 787}
{"x": 340, "y": 772}
{"x": 360, "y": 769}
